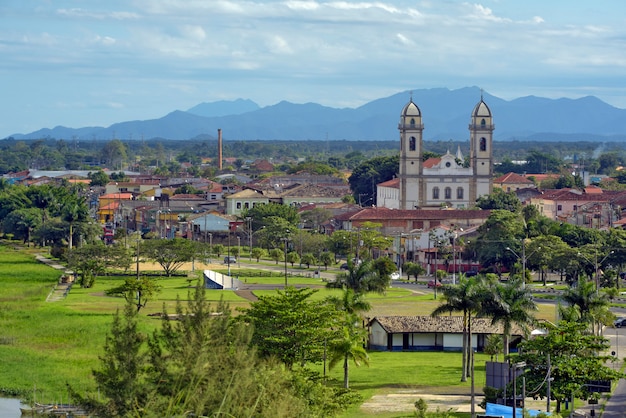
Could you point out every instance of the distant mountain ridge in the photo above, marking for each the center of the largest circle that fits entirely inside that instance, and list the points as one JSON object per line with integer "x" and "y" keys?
{"x": 446, "y": 115}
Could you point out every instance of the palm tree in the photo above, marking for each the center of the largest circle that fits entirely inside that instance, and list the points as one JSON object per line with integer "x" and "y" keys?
{"x": 361, "y": 278}
{"x": 351, "y": 302}
{"x": 586, "y": 301}
{"x": 509, "y": 304}
{"x": 349, "y": 346}
{"x": 493, "y": 346}
{"x": 465, "y": 298}
{"x": 74, "y": 212}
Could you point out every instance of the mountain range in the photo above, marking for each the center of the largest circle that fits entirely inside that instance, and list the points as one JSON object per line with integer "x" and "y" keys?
{"x": 445, "y": 114}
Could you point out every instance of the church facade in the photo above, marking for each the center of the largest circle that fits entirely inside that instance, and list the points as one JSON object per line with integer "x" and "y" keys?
{"x": 449, "y": 180}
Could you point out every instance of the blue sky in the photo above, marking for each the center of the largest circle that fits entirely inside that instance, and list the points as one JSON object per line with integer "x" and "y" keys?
{"x": 96, "y": 62}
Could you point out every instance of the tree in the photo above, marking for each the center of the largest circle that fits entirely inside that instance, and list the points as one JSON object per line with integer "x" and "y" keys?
{"x": 170, "y": 254}
{"x": 114, "y": 153}
{"x": 201, "y": 364}
{"x": 277, "y": 254}
{"x": 73, "y": 212}
{"x": 21, "y": 223}
{"x": 327, "y": 258}
{"x": 586, "y": 301}
{"x": 494, "y": 346}
{"x": 315, "y": 217}
{"x": 290, "y": 325}
{"x": 121, "y": 366}
{"x": 293, "y": 257}
{"x": 499, "y": 199}
{"x": 91, "y": 260}
{"x": 218, "y": 249}
{"x": 260, "y": 215}
{"x": 361, "y": 278}
{"x": 308, "y": 259}
{"x": 465, "y": 298}
{"x": 413, "y": 269}
{"x": 348, "y": 346}
{"x": 510, "y": 304}
{"x": 503, "y": 229}
{"x": 98, "y": 178}
{"x": 368, "y": 174}
{"x": 257, "y": 253}
{"x": 137, "y": 291}
{"x": 575, "y": 358}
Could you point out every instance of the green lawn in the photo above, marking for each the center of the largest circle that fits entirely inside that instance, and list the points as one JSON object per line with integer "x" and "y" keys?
{"x": 46, "y": 345}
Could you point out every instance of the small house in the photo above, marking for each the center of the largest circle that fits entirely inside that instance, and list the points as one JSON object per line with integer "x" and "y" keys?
{"x": 427, "y": 333}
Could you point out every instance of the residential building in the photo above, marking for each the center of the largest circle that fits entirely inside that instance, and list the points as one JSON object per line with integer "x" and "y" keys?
{"x": 512, "y": 182}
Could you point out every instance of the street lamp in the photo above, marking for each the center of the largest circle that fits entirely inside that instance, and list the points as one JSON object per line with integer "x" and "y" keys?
{"x": 454, "y": 237}
{"x": 597, "y": 266}
{"x": 285, "y": 241}
{"x": 524, "y": 259}
{"x": 210, "y": 245}
{"x": 249, "y": 220}
{"x": 238, "y": 251}
{"x": 516, "y": 366}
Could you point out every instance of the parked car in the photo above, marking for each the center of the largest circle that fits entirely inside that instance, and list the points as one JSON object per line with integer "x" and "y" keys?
{"x": 619, "y": 322}
{"x": 395, "y": 275}
{"x": 230, "y": 260}
{"x": 471, "y": 273}
{"x": 434, "y": 283}
{"x": 344, "y": 266}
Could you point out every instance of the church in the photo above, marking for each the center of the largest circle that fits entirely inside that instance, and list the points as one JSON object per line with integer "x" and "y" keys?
{"x": 447, "y": 181}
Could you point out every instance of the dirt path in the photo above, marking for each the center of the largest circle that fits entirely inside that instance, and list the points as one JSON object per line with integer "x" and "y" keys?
{"x": 247, "y": 294}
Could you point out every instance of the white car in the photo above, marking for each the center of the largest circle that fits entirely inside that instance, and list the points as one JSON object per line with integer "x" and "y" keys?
{"x": 395, "y": 275}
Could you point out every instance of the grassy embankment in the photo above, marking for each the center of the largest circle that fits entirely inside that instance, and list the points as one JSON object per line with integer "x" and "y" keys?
{"x": 45, "y": 345}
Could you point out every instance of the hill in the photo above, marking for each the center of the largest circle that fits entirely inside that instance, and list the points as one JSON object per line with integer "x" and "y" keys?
{"x": 446, "y": 114}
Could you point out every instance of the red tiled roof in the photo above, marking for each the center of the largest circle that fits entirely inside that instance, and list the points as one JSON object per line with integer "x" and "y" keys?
{"x": 512, "y": 178}
{"x": 431, "y": 162}
{"x": 393, "y": 183}
{"x": 434, "y": 214}
{"x": 593, "y": 190}
{"x": 119, "y": 196}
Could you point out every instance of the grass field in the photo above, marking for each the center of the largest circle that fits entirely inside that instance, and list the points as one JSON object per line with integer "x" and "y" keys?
{"x": 44, "y": 345}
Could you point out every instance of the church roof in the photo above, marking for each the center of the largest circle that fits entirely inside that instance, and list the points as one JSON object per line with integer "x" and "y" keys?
{"x": 431, "y": 162}
{"x": 411, "y": 109}
{"x": 481, "y": 110}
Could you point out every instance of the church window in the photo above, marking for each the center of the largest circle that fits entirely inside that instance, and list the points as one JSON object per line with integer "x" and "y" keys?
{"x": 412, "y": 144}
{"x": 459, "y": 193}
{"x": 448, "y": 193}
{"x": 412, "y": 123}
{"x": 435, "y": 193}
{"x": 448, "y": 164}
{"x": 483, "y": 144}
{"x": 483, "y": 123}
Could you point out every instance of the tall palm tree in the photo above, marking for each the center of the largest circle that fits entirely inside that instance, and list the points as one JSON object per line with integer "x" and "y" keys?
{"x": 510, "y": 304}
{"x": 465, "y": 298}
{"x": 586, "y": 301}
{"x": 349, "y": 346}
{"x": 351, "y": 302}
{"x": 74, "y": 212}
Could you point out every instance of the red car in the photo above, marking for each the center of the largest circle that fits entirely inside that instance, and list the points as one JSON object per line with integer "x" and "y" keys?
{"x": 433, "y": 283}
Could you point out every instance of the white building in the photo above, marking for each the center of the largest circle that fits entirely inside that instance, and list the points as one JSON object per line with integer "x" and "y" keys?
{"x": 446, "y": 181}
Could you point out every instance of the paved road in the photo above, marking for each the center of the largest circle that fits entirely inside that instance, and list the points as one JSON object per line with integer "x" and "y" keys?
{"x": 616, "y": 406}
